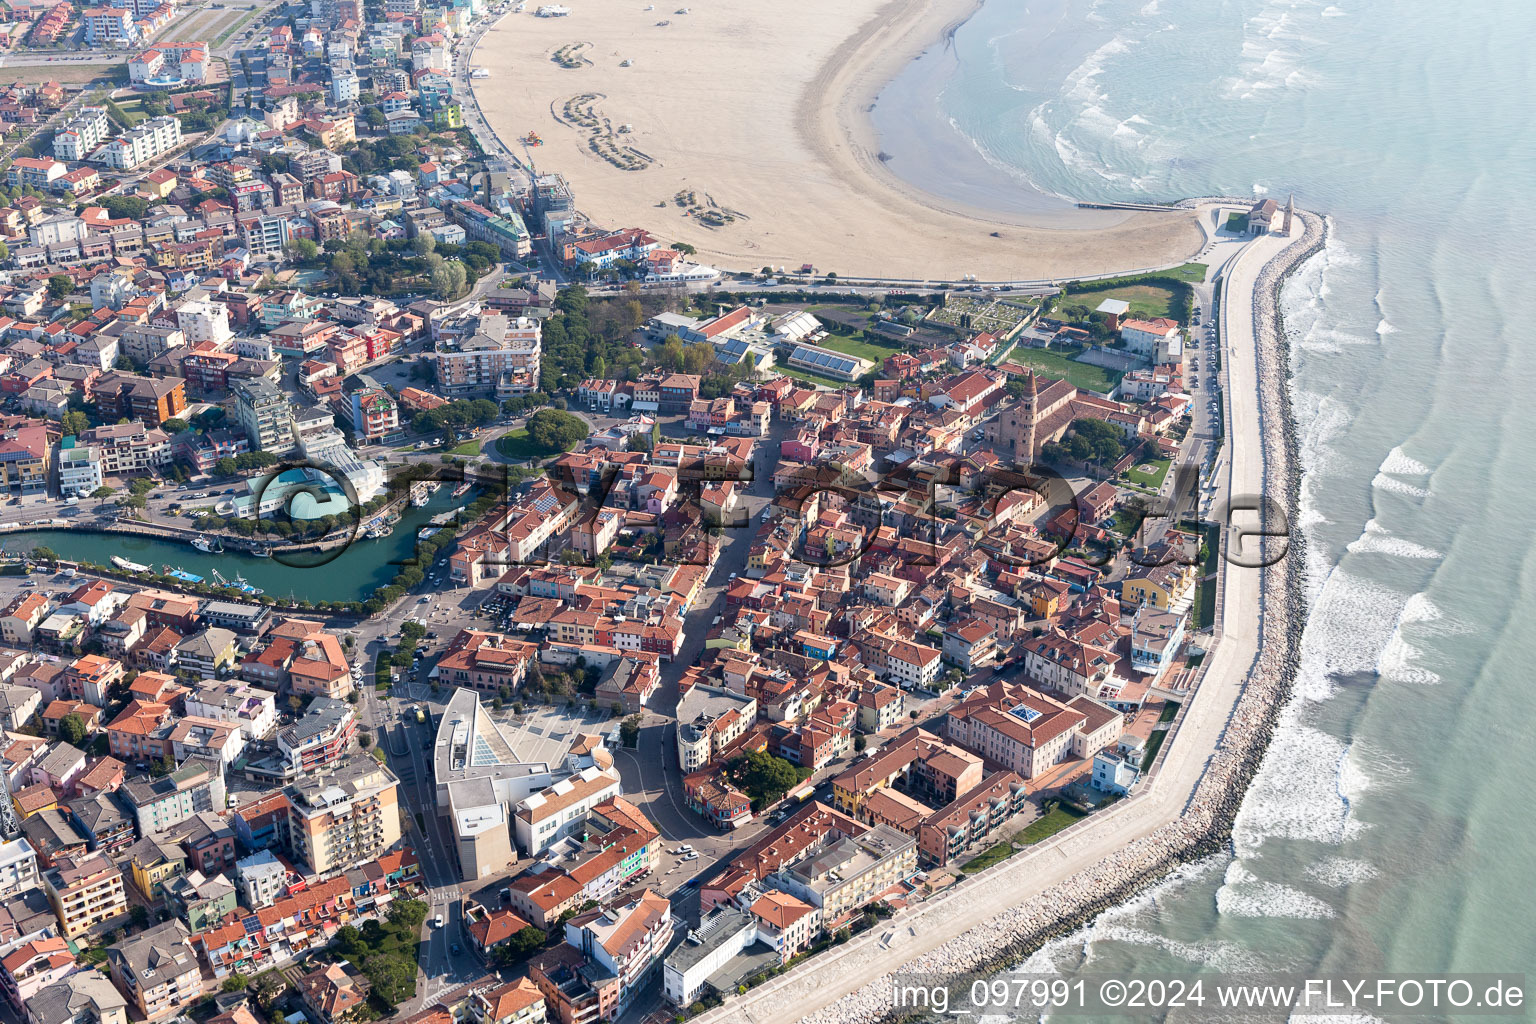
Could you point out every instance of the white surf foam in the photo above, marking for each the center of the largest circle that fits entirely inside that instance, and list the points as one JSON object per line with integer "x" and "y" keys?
{"x": 1403, "y": 464}
{"x": 1269, "y": 899}
{"x": 1396, "y": 486}
{"x": 1338, "y": 872}
{"x": 1334, "y": 12}
{"x": 1301, "y": 791}
{"x": 1385, "y": 328}
{"x": 1378, "y": 539}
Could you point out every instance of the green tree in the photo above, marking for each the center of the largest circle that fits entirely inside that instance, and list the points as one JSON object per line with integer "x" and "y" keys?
{"x": 175, "y": 425}
{"x": 629, "y": 731}
{"x": 60, "y": 286}
{"x": 75, "y": 422}
{"x": 555, "y": 431}
{"x": 103, "y": 492}
{"x": 72, "y": 728}
{"x": 302, "y": 250}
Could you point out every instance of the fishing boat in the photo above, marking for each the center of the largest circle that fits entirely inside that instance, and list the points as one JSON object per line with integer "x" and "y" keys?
{"x": 127, "y": 566}
{"x": 260, "y": 553}
{"x": 220, "y": 580}
{"x": 181, "y": 574}
{"x": 202, "y": 543}
{"x": 377, "y": 531}
{"x": 419, "y": 494}
{"x": 462, "y": 489}
{"x": 241, "y": 583}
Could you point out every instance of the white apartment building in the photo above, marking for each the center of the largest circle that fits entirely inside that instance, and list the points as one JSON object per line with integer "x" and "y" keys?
{"x": 144, "y": 141}
{"x": 204, "y": 321}
{"x": 79, "y": 469}
{"x": 261, "y": 878}
{"x": 82, "y": 133}
{"x": 547, "y": 817}
{"x": 261, "y": 410}
{"x": 237, "y": 703}
{"x": 18, "y": 866}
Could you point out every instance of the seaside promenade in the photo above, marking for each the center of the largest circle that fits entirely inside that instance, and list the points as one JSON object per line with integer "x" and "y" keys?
{"x": 1139, "y": 838}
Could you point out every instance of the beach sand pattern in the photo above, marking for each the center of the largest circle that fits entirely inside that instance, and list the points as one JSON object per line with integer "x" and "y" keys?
{"x": 763, "y": 109}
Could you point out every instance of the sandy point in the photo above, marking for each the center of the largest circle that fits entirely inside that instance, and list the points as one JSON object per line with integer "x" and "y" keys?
{"x": 742, "y": 129}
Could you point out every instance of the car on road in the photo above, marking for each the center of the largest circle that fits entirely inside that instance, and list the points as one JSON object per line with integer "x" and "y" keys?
{"x": 438, "y": 922}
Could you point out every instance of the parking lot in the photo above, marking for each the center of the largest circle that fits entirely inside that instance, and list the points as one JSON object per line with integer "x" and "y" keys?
{"x": 546, "y": 733}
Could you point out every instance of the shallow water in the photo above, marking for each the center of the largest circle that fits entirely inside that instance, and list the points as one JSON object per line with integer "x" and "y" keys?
{"x": 1390, "y": 826}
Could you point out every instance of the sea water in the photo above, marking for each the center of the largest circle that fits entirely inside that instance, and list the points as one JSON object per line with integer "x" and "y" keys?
{"x": 1390, "y": 828}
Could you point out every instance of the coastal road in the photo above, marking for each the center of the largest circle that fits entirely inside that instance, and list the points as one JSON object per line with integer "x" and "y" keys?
{"x": 1032, "y": 874}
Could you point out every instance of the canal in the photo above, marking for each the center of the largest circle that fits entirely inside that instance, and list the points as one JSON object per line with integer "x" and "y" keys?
{"x": 352, "y": 575}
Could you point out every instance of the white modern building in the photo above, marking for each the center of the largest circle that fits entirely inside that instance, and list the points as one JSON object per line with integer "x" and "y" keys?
{"x": 144, "y": 141}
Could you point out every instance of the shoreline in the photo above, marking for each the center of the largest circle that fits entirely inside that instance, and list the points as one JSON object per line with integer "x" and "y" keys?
{"x": 763, "y": 114}
{"x": 979, "y": 938}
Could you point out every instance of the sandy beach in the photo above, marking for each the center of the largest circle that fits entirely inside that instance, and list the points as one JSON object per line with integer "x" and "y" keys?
{"x": 748, "y": 125}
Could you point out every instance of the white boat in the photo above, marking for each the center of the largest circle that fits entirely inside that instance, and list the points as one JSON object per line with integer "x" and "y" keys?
{"x": 202, "y": 543}
{"x": 462, "y": 489}
{"x": 127, "y": 566}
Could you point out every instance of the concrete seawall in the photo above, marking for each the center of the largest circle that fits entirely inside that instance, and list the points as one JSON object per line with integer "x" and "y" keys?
{"x": 1200, "y": 827}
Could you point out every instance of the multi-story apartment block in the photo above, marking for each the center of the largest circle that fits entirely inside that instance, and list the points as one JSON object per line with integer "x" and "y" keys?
{"x": 143, "y": 142}
{"x": 158, "y": 804}
{"x": 85, "y": 891}
{"x": 18, "y": 866}
{"x": 490, "y": 353}
{"x": 82, "y": 133}
{"x": 237, "y": 703}
{"x": 516, "y": 1002}
{"x": 262, "y": 879}
{"x": 84, "y": 997}
{"x": 25, "y": 454}
{"x": 849, "y": 872}
{"x": 318, "y": 740}
{"x": 110, "y": 26}
{"x": 345, "y": 817}
{"x": 262, "y": 411}
{"x": 204, "y": 321}
{"x": 157, "y": 970}
{"x": 130, "y": 448}
{"x": 627, "y": 939}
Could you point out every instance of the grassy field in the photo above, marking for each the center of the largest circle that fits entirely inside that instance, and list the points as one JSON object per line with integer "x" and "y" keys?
{"x": 1152, "y": 480}
{"x": 806, "y": 377}
{"x": 1053, "y": 364}
{"x": 1147, "y": 301}
{"x": 1192, "y": 272}
{"x": 231, "y": 30}
{"x": 470, "y": 448}
{"x": 1040, "y": 829}
{"x": 64, "y": 74}
{"x": 876, "y": 354}
{"x": 517, "y": 444}
{"x": 1154, "y": 744}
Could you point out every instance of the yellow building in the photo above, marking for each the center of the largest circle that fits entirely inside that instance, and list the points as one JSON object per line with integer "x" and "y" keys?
{"x": 152, "y": 863}
{"x": 1161, "y": 586}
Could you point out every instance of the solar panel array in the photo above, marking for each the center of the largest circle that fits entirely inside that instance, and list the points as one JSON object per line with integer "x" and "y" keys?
{"x": 822, "y": 359}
